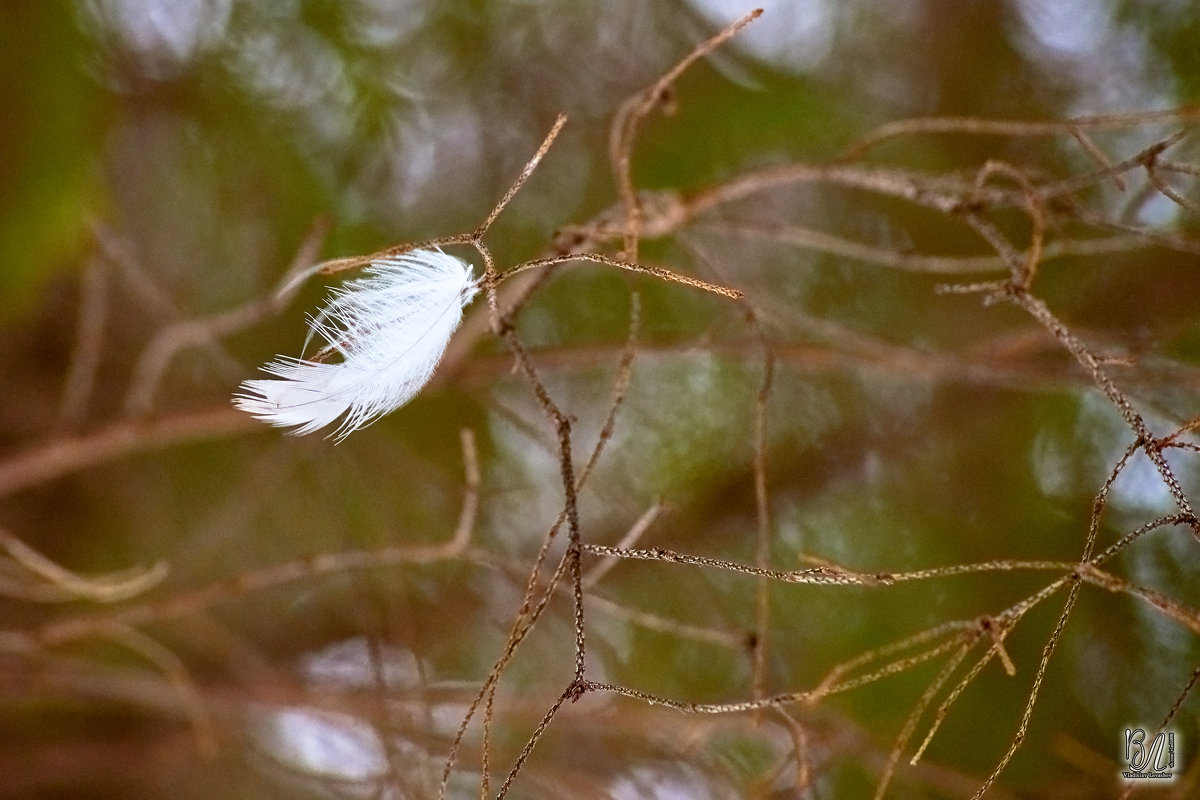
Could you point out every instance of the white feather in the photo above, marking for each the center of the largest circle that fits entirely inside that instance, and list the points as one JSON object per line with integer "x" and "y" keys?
{"x": 388, "y": 331}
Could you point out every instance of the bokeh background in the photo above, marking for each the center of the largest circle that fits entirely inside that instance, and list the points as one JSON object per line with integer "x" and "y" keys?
{"x": 165, "y": 161}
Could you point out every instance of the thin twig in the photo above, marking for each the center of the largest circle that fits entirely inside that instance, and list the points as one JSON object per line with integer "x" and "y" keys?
{"x": 67, "y": 585}
{"x": 628, "y": 119}
{"x": 177, "y": 675}
{"x": 979, "y": 126}
{"x": 67, "y": 453}
{"x": 200, "y": 331}
{"x": 1027, "y": 713}
{"x": 600, "y": 258}
{"x": 817, "y": 575}
{"x": 631, "y": 537}
{"x": 88, "y": 350}
{"x": 762, "y": 508}
{"x": 524, "y": 176}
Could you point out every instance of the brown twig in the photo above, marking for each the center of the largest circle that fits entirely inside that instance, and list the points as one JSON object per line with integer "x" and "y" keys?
{"x": 627, "y": 122}
{"x": 67, "y": 453}
{"x": 89, "y": 343}
{"x": 980, "y": 126}
{"x": 201, "y": 331}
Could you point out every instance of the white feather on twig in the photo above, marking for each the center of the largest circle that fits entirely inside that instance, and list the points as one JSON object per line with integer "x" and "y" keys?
{"x": 386, "y": 333}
